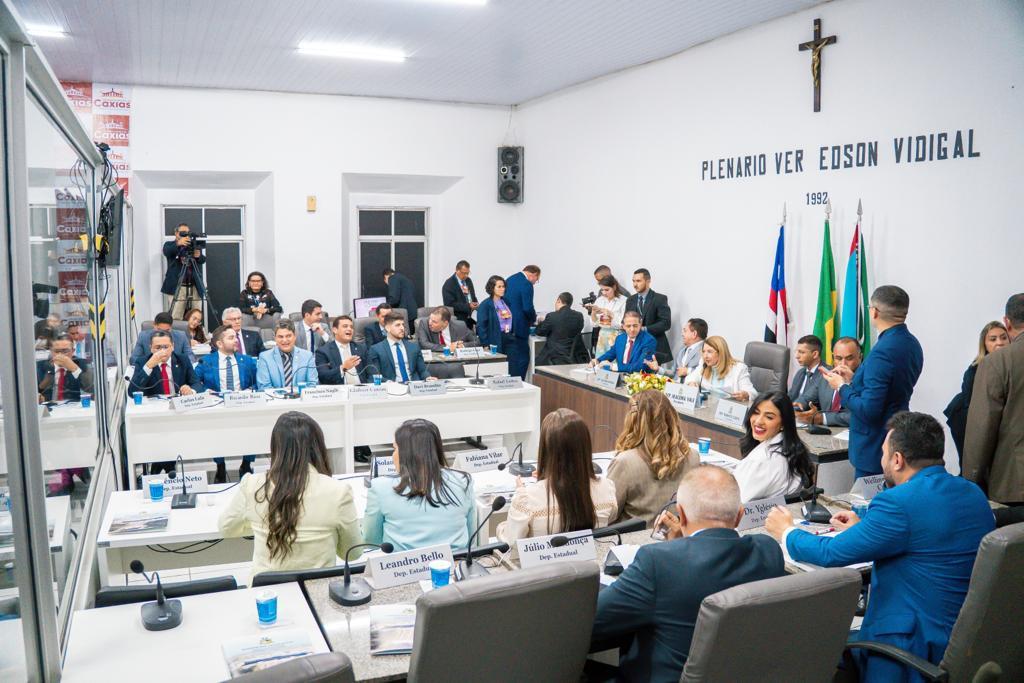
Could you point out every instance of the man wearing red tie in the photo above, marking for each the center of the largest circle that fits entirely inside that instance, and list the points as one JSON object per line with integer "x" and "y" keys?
{"x": 64, "y": 376}
{"x": 632, "y": 349}
{"x": 824, "y": 404}
{"x": 164, "y": 372}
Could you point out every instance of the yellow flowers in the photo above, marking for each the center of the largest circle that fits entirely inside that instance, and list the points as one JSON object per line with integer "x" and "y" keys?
{"x": 640, "y": 381}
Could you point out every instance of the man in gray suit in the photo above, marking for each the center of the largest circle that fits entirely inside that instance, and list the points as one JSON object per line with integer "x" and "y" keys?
{"x": 822, "y": 405}
{"x": 311, "y": 333}
{"x": 695, "y": 331}
{"x": 808, "y": 377}
{"x": 440, "y": 331}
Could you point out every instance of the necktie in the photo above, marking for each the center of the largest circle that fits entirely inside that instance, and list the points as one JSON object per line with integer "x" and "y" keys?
{"x": 836, "y": 402}
{"x": 312, "y": 340}
{"x": 166, "y": 388}
{"x": 440, "y": 336}
{"x": 641, "y": 302}
{"x": 80, "y": 350}
{"x": 401, "y": 362}
{"x": 629, "y": 349}
{"x": 289, "y": 374}
{"x": 60, "y": 385}
{"x": 241, "y": 343}
{"x": 229, "y": 375}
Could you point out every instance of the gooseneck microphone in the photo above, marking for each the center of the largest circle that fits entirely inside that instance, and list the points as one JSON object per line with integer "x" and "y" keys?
{"x": 183, "y": 500}
{"x": 466, "y": 569}
{"x": 163, "y": 614}
{"x": 813, "y": 511}
{"x": 476, "y": 380}
{"x": 521, "y": 469}
{"x": 354, "y": 591}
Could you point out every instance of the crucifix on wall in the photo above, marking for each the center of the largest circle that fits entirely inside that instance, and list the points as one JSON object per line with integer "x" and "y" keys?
{"x": 816, "y": 46}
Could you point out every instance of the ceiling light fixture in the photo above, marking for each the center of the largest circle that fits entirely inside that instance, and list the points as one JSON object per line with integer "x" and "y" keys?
{"x": 474, "y": 3}
{"x": 46, "y": 31}
{"x": 345, "y": 51}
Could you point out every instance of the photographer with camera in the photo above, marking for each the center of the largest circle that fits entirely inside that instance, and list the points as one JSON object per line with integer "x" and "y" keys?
{"x": 183, "y": 283}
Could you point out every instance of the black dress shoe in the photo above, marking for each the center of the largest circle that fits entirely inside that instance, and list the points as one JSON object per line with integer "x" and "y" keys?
{"x": 221, "y": 477}
{"x": 244, "y": 469}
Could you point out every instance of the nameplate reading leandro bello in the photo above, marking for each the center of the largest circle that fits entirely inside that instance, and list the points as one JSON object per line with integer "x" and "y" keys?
{"x": 410, "y": 566}
{"x": 480, "y": 461}
{"x": 538, "y": 550}
{"x": 193, "y": 401}
{"x": 322, "y": 393}
{"x": 756, "y": 511}
{"x": 683, "y": 397}
{"x": 730, "y": 412}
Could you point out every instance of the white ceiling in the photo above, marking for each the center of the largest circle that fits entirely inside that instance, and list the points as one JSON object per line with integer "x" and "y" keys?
{"x": 505, "y": 52}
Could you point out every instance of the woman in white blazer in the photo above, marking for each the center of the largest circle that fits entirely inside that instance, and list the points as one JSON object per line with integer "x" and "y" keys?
{"x": 775, "y": 460}
{"x": 606, "y": 314}
{"x": 720, "y": 372}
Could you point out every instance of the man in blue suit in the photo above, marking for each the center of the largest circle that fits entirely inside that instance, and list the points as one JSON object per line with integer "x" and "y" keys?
{"x": 632, "y": 349}
{"x": 883, "y": 384}
{"x": 225, "y": 369}
{"x": 397, "y": 359}
{"x": 162, "y": 321}
{"x": 374, "y": 333}
{"x": 343, "y": 361}
{"x": 287, "y": 365}
{"x": 922, "y": 533}
{"x": 519, "y": 297}
{"x": 651, "y": 610}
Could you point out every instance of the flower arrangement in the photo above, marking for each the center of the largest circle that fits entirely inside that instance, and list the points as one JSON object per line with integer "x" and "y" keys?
{"x": 639, "y": 381}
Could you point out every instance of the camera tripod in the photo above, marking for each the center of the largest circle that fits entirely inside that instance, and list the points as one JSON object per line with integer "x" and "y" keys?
{"x": 191, "y": 294}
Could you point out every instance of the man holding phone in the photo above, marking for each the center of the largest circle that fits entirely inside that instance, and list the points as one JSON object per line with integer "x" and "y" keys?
{"x": 632, "y": 349}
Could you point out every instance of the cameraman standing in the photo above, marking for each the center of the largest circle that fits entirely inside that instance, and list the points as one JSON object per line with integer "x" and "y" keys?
{"x": 179, "y": 252}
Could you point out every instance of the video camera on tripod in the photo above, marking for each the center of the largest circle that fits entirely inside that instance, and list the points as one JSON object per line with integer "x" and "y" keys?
{"x": 195, "y": 241}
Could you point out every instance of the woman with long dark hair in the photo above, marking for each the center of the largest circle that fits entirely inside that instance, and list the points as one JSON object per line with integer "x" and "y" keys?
{"x": 426, "y": 503}
{"x": 993, "y": 336}
{"x": 257, "y": 299}
{"x": 567, "y": 495}
{"x": 775, "y": 460}
{"x": 196, "y": 333}
{"x": 300, "y": 517}
{"x": 494, "y": 316}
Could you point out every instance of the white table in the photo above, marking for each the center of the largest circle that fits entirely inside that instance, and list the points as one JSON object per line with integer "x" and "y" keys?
{"x": 67, "y": 437}
{"x": 154, "y": 433}
{"x": 110, "y": 644}
{"x": 58, "y": 511}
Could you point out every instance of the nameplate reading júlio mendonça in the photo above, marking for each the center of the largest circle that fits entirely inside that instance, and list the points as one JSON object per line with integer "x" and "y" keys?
{"x": 538, "y": 550}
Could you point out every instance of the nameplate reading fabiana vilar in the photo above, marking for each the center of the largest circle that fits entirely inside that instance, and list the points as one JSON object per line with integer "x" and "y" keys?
{"x": 480, "y": 461}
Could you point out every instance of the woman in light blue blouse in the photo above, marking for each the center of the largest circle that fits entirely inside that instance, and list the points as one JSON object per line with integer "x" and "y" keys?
{"x": 426, "y": 503}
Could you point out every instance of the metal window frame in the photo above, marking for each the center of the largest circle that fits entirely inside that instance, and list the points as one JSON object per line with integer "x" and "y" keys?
{"x": 393, "y": 239}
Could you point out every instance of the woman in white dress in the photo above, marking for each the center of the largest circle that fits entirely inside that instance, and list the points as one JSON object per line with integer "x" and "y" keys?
{"x": 606, "y": 314}
{"x": 721, "y": 373}
{"x": 775, "y": 461}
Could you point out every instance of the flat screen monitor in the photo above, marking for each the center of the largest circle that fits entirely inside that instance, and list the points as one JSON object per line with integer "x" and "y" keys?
{"x": 363, "y": 308}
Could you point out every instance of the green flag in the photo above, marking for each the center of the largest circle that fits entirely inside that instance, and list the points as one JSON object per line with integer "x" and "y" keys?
{"x": 825, "y": 313}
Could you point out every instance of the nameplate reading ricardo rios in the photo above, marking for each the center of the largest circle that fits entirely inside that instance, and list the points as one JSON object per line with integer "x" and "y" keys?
{"x": 538, "y": 550}
{"x": 397, "y": 569}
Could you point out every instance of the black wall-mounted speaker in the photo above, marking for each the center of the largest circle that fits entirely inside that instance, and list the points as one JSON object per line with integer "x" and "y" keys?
{"x": 510, "y": 175}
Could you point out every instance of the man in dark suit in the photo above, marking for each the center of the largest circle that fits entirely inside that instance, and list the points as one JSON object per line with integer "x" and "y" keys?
{"x": 561, "y": 330}
{"x": 823, "y": 405}
{"x": 247, "y": 342}
{"x": 177, "y": 253}
{"x": 401, "y": 294}
{"x": 399, "y": 360}
{"x": 651, "y": 610}
{"x": 807, "y": 379}
{"x": 311, "y": 333}
{"x": 922, "y": 533}
{"x": 343, "y": 361}
{"x": 225, "y": 369}
{"x": 162, "y": 321}
{"x": 64, "y": 376}
{"x": 375, "y": 333}
{"x": 439, "y": 331}
{"x": 994, "y": 442}
{"x": 632, "y": 349}
{"x": 519, "y": 297}
{"x": 882, "y": 386}
{"x": 458, "y": 293}
{"x": 655, "y": 314}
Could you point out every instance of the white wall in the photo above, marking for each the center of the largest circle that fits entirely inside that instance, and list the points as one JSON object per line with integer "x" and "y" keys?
{"x": 615, "y": 171}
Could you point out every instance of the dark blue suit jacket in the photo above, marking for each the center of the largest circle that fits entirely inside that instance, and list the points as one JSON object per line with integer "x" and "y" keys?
{"x": 488, "y": 325}
{"x": 151, "y": 384}
{"x": 373, "y": 334}
{"x": 643, "y": 349}
{"x": 328, "y": 362}
{"x": 519, "y": 297}
{"x": 923, "y": 536}
{"x": 380, "y": 355}
{"x": 46, "y": 376}
{"x": 141, "y": 352}
{"x": 174, "y": 264}
{"x": 658, "y": 597}
{"x": 208, "y": 371}
{"x": 402, "y": 294}
{"x": 881, "y": 387}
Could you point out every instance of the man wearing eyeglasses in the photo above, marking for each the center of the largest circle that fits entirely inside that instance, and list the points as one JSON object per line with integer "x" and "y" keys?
{"x": 63, "y": 376}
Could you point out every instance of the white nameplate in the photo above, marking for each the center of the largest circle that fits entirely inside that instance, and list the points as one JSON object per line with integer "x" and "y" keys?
{"x": 239, "y": 399}
{"x": 197, "y": 482}
{"x": 683, "y": 397}
{"x": 536, "y": 551}
{"x": 427, "y": 388}
{"x": 410, "y": 566}
{"x": 504, "y": 383}
{"x": 756, "y": 511}
{"x": 606, "y": 379}
{"x": 367, "y": 391}
{"x": 468, "y": 352}
{"x": 870, "y": 486}
{"x": 321, "y": 393}
{"x": 384, "y": 465}
{"x": 428, "y": 355}
{"x": 730, "y": 412}
{"x": 480, "y": 461}
{"x": 193, "y": 401}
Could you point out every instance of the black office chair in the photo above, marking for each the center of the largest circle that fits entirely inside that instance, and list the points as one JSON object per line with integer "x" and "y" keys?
{"x": 109, "y": 596}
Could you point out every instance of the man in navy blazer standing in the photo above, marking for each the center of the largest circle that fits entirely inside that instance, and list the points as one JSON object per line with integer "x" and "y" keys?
{"x": 651, "y": 610}
{"x": 922, "y": 533}
{"x": 398, "y": 359}
{"x": 632, "y": 349}
{"x": 883, "y": 384}
{"x": 519, "y": 296}
{"x": 401, "y": 294}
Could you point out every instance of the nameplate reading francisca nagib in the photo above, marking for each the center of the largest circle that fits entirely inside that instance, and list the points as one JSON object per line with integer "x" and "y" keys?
{"x": 480, "y": 461}
{"x": 683, "y": 397}
{"x": 730, "y": 412}
{"x": 398, "y": 569}
{"x": 503, "y": 383}
{"x": 756, "y": 511}
{"x": 322, "y": 393}
{"x": 870, "y": 486}
{"x": 367, "y": 391}
{"x": 241, "y": 399}
{"x": 427, "y": 388}
{"x": 606, "y": 379}
{"x": 538, "y": 550}
{"x": 193, "y": 401}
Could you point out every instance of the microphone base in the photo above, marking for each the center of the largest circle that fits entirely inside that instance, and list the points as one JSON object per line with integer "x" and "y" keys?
{"x": 183, "y": 501}
{"x": 524, "y": 470}
{"x": 816, "y": 513}
{"x": 156, "y": 617}
{"x": 356, "y": 592}
{"x": 477, "y": 381}
{"x": 465, "y": 571}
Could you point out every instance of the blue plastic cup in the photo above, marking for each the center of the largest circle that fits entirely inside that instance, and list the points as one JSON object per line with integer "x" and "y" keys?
{"x": 137, "y": 397}
{"x": 86, "y": 401}
{"x": 266, "y": 607}
{"x": 377, "y": 379}
{"x": 860, "y": 507}
{"x": 300, "y": 386}
{"x": 440, "y": 573}
{"x": 447, "y": 352}
{"x": 156, "y": 490}
{"x": 494, "y": 349}
{"x": 704, "y": 445}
